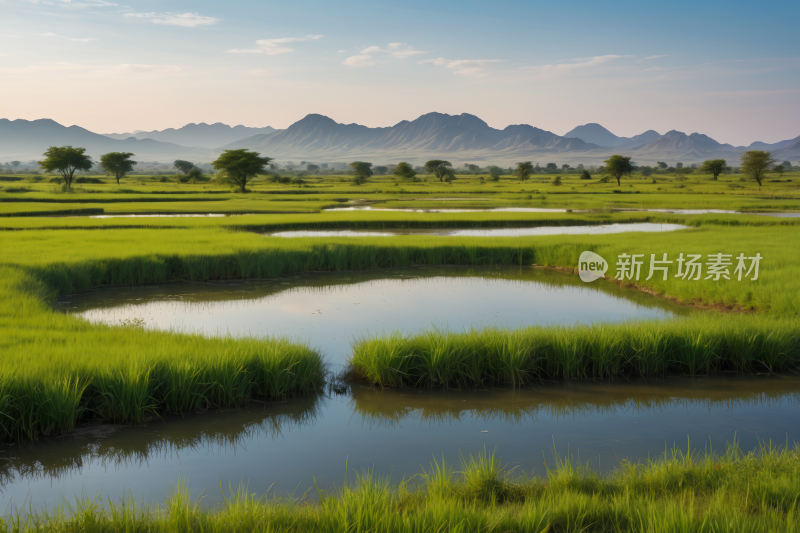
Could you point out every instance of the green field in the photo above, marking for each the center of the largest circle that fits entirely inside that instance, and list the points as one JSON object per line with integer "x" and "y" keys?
{"x": 58, "y": 370}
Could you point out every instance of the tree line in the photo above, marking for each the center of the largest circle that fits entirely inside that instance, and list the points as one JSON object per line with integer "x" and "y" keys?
{"x": 240, "y": 166}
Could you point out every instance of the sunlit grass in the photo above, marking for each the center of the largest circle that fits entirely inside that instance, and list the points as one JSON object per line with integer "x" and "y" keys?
{"x": 700, "y": 344}
{"x": 680, "y": 491}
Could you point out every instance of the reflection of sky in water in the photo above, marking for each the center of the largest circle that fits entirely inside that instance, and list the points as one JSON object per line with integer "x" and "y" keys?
{"x": 492, "y": 232}
{"x": 331, "y": 316}
{"x": 397, "y": 431}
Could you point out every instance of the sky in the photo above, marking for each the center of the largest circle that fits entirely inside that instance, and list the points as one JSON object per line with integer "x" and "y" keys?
{"x": 730, "y": 70}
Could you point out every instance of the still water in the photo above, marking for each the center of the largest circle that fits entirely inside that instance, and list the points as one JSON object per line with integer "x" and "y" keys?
{"x": 283, "y": 446}
{"x": 487, "y": 232}
{"x": 331, "y": 309}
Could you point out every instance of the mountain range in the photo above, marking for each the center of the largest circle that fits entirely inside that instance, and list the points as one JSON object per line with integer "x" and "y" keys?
{"x": 27, "y": 139}
{"x": 202, "y": 135}
{"x": 458, "y": 138}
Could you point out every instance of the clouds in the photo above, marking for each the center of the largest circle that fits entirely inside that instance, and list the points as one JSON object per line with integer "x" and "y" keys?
{"x": 73, "y": 39}
{"x": 272, "y": 47}
{"x": 85, "y": 72}
{"x": 572, "y": 66}
{"x": 367, "y": 56}
{"x": 464, "y": 67}
{"x": 185, "y": 20}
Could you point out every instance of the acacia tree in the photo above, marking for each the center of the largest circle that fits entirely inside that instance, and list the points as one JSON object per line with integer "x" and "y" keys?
{"x": 713, "y": 167}
{"x": 404, "y": 171}
{"x": 755, "y": 164}
{"x": 240, "y": 165}
{"x": 441, "y": 169}
{"x": 618, "y": 166}
{"x": 66, "y": 160}
{"x": 524, "y": 170}
{"x": 183, "y": 166}
{"x": 363, "y": 171}
{"x": 117, "y": 164}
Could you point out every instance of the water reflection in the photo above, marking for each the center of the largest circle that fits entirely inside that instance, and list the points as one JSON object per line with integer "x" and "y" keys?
{"x": 289, "y": 444}
{"x": 647, "y": 227}
{"x": 329, "y": 309}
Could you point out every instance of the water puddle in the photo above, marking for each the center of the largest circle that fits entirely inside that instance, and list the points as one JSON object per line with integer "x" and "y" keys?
{"x": 558, "y": 210}
{"x": 283, "y": 446}
{"x": 486, "y": 232}
{"x": 330, "y": 309}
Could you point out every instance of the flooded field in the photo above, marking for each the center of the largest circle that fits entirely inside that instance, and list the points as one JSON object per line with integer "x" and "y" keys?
{"x": 491, "y": 232}
{"x": 331, "y": 309}
{"x": 284, "y": 447}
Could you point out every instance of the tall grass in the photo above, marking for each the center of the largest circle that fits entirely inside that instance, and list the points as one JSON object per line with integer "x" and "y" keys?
{"x": 700, "y": 345}
{"x": 681, "y": 491}
{"x": 57, "y": 369}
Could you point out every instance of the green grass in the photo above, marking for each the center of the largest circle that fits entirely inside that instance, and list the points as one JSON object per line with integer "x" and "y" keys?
{"x": 57, "y": 370}
{"x": 681, "y": 491}
{"x": 142, "y": 194}
{"x": 700, "y": 345}
{"x": 72, "y": 369}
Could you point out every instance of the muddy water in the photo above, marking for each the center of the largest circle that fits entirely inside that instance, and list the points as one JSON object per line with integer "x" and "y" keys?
{"x": 330, "y": 309}
{"x": 283, "y": 446}
{"x": 489, "y": 232}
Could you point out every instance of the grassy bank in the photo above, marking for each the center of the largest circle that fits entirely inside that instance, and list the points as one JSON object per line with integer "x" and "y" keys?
{"x": 60, "y": 368}
{"x": 756, "y": 491}
{"x": 704, "y": 344}
{"x": 77, "y": 260}
{"x": 57, "y": 369}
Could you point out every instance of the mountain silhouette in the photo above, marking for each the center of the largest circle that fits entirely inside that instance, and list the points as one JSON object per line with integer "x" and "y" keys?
{"x": 203, "y": 135}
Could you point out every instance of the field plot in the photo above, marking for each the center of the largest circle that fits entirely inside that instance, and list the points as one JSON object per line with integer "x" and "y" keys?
{"x": 129, "y": 335}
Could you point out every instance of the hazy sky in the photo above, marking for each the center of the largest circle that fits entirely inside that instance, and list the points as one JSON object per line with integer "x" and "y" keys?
{"x": 728, "y": 69}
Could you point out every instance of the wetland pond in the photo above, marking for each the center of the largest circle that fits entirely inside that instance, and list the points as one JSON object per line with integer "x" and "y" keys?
{"x": 330, "y": 309}
{"x": 282, "y": 447}
{"x": 489, "y": 232}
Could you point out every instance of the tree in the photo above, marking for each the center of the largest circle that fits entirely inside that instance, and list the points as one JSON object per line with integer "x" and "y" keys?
{"x": 780, "y": 169}
{"x": 755, "y": 164}
{"x": 440, "y": 169}
{"x": 523, "y": 171}
{"x": 551, "y": 167}
{"x": 66, "y": 160}
{"x": 472, "y": 168}
{"x": 495, "y": 172}
{"x": 381, "y": 170}
{"x": 240, "y": 165}
{"x": 585, "y": 175}
{"x": 15, "y": 164}
{"x": 713, "y": 167}
{"x": 404, "y": 171}
{"x": 556, "y": 180}
{"x": 117, "y": 164}
{"x": 363, "y": 171}
{"x": 678, "y": 165}
{"x": 646, "y": 171}
{"x": 662, "y": 165}
{"x": 313, "y": 169}
{"x": 183, "y": 166}
{"x": 565, "y": 167}
{"x": 618, "y": 166}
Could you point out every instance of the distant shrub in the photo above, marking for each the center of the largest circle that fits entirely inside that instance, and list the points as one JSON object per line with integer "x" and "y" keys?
{"x": 556, "y": 180}
{"x": 605, "y": 179}
{"x": 585, "y": 175}
{"x": 84, "y": 179}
